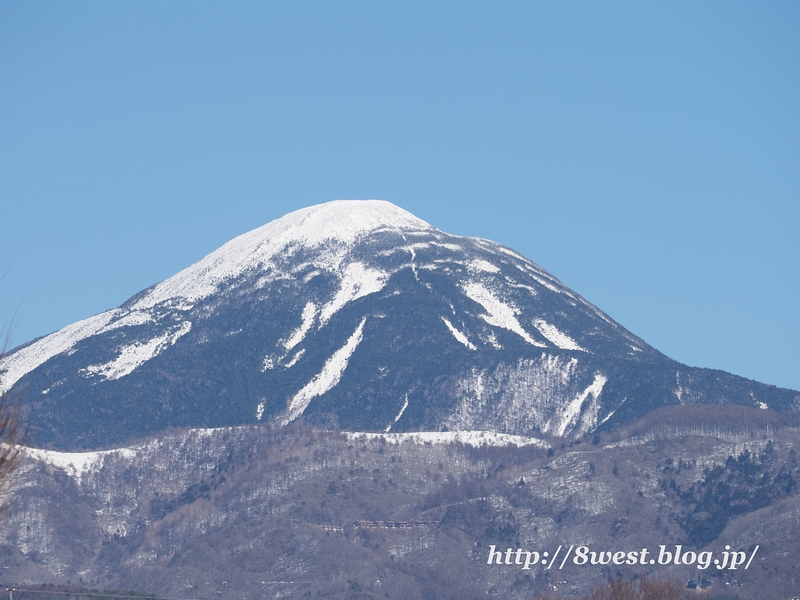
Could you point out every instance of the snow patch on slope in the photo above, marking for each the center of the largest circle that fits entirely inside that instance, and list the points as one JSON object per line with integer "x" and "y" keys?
{"x": 26, "y": 359}
{"x": 397, "y": 418}
{"x": 357, "y": 281}
{"x": 295, "y": 358}
{"x": 132, "y": 319}
{"x": 568, "y": 416}
{"x": 531, "y": 395}
{"x": 135, "y": 355}
{"x": 309, "y": 312}
{"x": 327, "y": 378}
{"x": 77, "y": 464}
{"x": 483, "y": 266}
{"x": 448, "y": 246}
{"x": 410, "y": 248}
{"x": 498, "y": 313}
{"x": 458, "y": 335}
{"x": 552, "y": 333}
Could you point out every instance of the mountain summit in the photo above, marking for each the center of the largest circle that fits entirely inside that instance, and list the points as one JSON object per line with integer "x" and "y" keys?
{"x": 357, "y": 315}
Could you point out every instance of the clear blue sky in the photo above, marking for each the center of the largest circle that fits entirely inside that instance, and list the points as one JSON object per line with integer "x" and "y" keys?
{"x": 647, "y": 154}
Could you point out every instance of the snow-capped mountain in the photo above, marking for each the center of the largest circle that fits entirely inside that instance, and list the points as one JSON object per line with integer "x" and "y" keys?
{"x": 358, "y": 315}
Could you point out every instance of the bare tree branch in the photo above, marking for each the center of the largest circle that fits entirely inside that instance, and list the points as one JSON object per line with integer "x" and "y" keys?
{"x": 13, "y": 429}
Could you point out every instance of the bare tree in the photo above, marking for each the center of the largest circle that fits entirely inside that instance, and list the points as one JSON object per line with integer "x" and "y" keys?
{"x": 13, "y": 430}
{"x": 12, "y": 435}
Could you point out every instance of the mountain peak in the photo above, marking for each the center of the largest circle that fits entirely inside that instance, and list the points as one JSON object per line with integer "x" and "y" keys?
{"x": 340, "y": 220}
{"x": 358, "y": 315}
